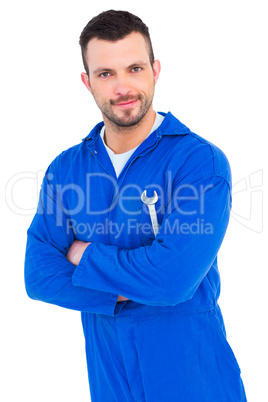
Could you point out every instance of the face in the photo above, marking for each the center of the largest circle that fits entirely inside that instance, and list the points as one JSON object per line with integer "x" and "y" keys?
{"x": 121, "y": 78}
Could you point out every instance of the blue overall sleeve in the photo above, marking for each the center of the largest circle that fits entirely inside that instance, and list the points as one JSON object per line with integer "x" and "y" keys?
{"x": 48, "y": 273}
{"x": 169, "y": 270}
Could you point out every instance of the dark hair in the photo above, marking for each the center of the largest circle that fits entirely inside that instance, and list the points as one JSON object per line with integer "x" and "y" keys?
{"x": 112, "y": 26}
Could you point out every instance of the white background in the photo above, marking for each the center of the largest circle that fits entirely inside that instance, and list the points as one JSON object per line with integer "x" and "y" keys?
{"x": 214, "y": 79}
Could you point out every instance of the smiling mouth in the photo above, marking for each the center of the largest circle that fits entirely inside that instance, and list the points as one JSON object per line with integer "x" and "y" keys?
{"x": 126, "y": 105}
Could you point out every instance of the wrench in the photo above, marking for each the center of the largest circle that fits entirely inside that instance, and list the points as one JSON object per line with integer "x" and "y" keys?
{"x": 150, "y": 202}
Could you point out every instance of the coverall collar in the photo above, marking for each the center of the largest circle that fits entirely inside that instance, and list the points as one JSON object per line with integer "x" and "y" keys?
{"x": 170, "y": 126}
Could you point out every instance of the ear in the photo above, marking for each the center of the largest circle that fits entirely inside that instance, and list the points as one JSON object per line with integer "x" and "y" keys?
{"x": 156, "y": 70}
{"x": 85, "y": 80}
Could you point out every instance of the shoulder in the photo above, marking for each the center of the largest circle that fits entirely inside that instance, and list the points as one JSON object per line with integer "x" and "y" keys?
{"x": 64, "y": 163}
{"x": 67, "y": 156}
{"x": 74, "y": 156}
{"x": 211, "y": 155}
{"x": 195, "y": 155}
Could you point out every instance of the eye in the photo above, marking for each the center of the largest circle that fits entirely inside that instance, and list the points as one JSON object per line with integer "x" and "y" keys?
{"x": 105, "y": 74}
{"x": 136, "y": 69}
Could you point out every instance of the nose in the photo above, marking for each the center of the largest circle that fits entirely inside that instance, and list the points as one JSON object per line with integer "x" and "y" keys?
{"x": 122, "y": 85}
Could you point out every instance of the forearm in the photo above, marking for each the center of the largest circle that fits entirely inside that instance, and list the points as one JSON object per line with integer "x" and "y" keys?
{"x": 48, "y": 273}
{"x": 75, "y": 254}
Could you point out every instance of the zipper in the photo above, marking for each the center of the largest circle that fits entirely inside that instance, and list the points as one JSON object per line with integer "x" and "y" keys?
{"x": 129, "y": 163}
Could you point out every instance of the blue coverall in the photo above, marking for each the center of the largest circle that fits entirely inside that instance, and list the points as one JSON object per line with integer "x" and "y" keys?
{"x": 167, "y": 343}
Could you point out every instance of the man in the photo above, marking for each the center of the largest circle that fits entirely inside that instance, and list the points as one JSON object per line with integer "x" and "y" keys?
{"x": 127, "y": 231}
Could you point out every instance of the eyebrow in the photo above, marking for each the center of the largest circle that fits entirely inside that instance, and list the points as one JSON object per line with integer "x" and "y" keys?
{"x": 136, "y": 64}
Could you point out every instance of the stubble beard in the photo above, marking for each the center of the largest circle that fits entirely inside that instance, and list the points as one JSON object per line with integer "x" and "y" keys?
{"x": 126, "y": 119}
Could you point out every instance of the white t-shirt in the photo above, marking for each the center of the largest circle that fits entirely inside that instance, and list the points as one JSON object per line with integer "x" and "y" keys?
{"x": 119, "y": 160}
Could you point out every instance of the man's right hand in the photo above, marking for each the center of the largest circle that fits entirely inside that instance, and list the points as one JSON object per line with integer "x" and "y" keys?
{"x": 74, "y": 256}
{"x": 121, "y": 298}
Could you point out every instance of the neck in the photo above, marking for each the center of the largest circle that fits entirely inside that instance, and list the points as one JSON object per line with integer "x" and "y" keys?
{"x": 123, "y": 139}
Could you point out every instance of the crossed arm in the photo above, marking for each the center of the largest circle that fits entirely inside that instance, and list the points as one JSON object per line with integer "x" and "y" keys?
{"x": 75, "y": 253}
{"x": 64, "y": 271}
